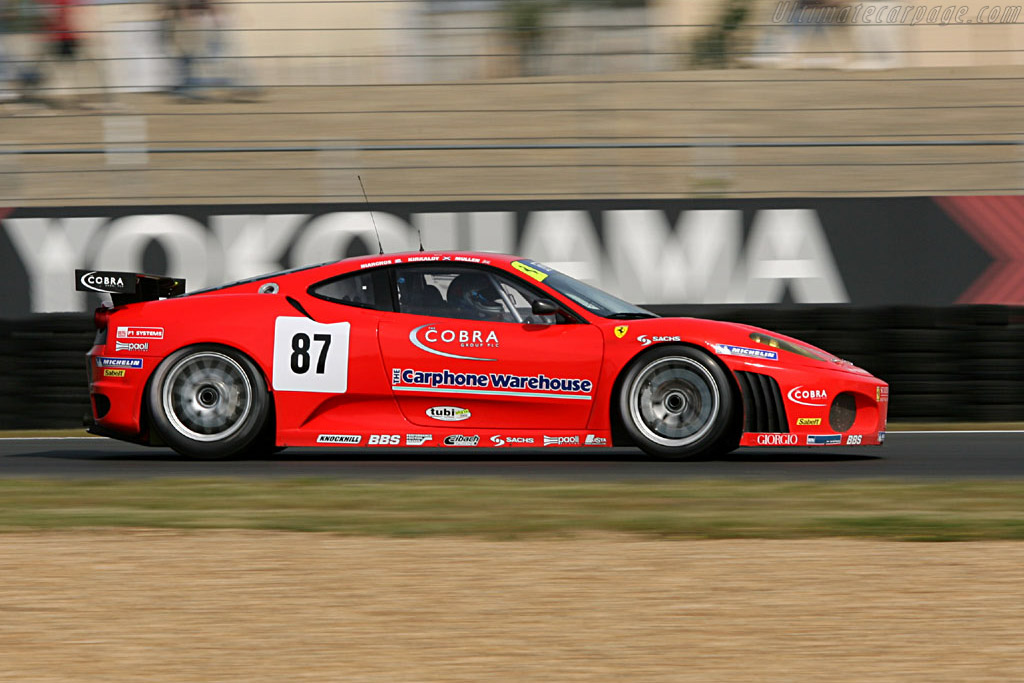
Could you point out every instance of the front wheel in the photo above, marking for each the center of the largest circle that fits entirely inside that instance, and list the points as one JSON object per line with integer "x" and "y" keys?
{"x": 676, "y": 402}
{"x": 208, "y": 402}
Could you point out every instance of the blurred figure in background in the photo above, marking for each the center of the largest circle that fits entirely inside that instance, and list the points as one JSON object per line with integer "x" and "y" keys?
{"x": 196, "y": 36}
{"x": 20, "y": 68}
{"x": 76, "y": 75}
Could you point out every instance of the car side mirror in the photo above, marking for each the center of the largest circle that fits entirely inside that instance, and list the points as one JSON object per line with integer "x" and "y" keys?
{"x": 543, "y": 307}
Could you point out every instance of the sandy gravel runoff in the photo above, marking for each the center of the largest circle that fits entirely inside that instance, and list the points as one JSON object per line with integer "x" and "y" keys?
{"x": 143, "y": 605}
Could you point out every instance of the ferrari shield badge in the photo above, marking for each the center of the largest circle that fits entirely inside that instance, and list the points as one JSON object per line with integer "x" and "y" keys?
{"x": 621, "y": 331}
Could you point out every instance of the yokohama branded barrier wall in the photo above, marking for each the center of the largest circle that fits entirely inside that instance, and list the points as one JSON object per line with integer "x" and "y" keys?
{"x": 874, "y": 280}
{"x": 961, "y": 363}
{"x": 866, "y": 252}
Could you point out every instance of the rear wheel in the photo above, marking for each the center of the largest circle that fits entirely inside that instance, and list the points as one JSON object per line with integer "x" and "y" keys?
{"x": 208, "y": 402}
{"x": 676, "y": 402}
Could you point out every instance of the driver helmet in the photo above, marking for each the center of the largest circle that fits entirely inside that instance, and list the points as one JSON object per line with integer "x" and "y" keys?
{"x": 474, "y": 294}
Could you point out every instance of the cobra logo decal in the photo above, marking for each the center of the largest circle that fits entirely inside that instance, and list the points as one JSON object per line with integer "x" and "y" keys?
{"x": 808, "y": 397}
{"x": 430, "y": 334}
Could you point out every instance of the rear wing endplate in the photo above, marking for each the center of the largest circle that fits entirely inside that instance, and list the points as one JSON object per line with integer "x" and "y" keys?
{"x": 127, "y": 288}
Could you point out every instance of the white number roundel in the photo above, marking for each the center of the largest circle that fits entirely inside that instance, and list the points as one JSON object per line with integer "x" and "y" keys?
{"x": 310, "y": 356}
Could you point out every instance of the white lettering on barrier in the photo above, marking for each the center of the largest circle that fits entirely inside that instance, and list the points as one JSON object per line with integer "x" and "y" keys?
{"x": 643, "y": 258}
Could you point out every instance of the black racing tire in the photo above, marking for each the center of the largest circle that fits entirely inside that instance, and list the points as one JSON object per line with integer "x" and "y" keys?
{"x": 208, "y": 402}
{"x": 677, "y": 403}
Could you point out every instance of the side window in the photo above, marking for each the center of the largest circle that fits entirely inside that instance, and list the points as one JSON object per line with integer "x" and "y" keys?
{"x": 466, "y": 293}
{"x": 366, "y": 289}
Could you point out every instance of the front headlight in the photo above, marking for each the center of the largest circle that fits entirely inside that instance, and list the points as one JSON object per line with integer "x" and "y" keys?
{"x": 799, "y": 349}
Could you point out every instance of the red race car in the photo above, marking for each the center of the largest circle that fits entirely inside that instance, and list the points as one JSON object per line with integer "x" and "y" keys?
{"x": 451, "y": 349}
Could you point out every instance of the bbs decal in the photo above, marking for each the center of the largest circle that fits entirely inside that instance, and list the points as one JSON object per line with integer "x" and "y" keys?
{"x": 310, "y": 356}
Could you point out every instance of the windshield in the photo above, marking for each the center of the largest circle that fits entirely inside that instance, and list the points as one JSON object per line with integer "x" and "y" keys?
{"x": 591, "y": 298}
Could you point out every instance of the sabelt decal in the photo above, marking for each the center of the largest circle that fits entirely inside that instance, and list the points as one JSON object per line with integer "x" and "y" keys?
{"x": 431, "y": 336}
{"x": 777, "y": 439}
{"x": 461, "y": 440}
{"x": 111, "y": 362}
{"x": 340, "y": 439}
{"x": 530, "y": 271}
{"x": 105, "y": 281}
{"x": 131, "y": 346}
{"x": 448, "y": 413}
{"x": 417, "y": 439}
{"x": 140, "y": 333}
{"x": 817, "y": 398}
{"x": 114, "y": 372}
{"x": 745, "y": 352}
{"x": 824, "y": 439}
{"x": 808, "y": 421}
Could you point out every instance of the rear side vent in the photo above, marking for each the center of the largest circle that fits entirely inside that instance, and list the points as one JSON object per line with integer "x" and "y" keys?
{"x": 762, "y": 403}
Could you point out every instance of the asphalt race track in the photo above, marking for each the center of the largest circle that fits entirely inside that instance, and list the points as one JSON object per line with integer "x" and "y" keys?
{"x": 944, "y": 455}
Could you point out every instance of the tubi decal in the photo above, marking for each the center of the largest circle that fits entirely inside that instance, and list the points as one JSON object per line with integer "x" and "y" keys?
{"x": 340, "y": 439}
{"x": 448, "y": 413}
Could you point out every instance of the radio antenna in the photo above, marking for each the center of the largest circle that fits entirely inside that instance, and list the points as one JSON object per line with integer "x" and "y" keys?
{"x": 372, "y": 220}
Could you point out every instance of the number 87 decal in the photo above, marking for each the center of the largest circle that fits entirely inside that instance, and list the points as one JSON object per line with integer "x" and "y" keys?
{"x": 310, "y": 356}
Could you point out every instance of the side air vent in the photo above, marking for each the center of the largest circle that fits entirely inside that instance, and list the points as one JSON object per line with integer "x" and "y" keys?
{"x": 762, "y": 403}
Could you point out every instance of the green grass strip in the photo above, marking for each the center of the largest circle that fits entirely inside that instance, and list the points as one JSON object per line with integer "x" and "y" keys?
{"x": 503, "y": 509}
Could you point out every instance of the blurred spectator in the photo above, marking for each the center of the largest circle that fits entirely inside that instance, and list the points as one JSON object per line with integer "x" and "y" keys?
{"x": 75, "y": 71}
{"x": 801, "y": 33}
{"x": 716, "y": 47}
{"x": 196, "y": 36}
{"x": 20, "y": 69}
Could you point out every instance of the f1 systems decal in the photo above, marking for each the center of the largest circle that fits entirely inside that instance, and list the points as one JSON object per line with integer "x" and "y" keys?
{"x": 428, "y": 336}
{"x": 491, "y": 384}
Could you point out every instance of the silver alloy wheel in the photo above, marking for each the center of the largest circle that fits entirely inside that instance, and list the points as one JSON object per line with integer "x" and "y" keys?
{"x": 207, "y": 396}
{"x": 674, "y": 401}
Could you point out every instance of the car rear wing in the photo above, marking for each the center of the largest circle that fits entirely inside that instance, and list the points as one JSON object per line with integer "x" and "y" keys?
{"x": 127, "y": 288}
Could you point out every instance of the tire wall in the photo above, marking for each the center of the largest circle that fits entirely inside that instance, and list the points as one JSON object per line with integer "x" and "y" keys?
{"x": 960, "y": 363}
